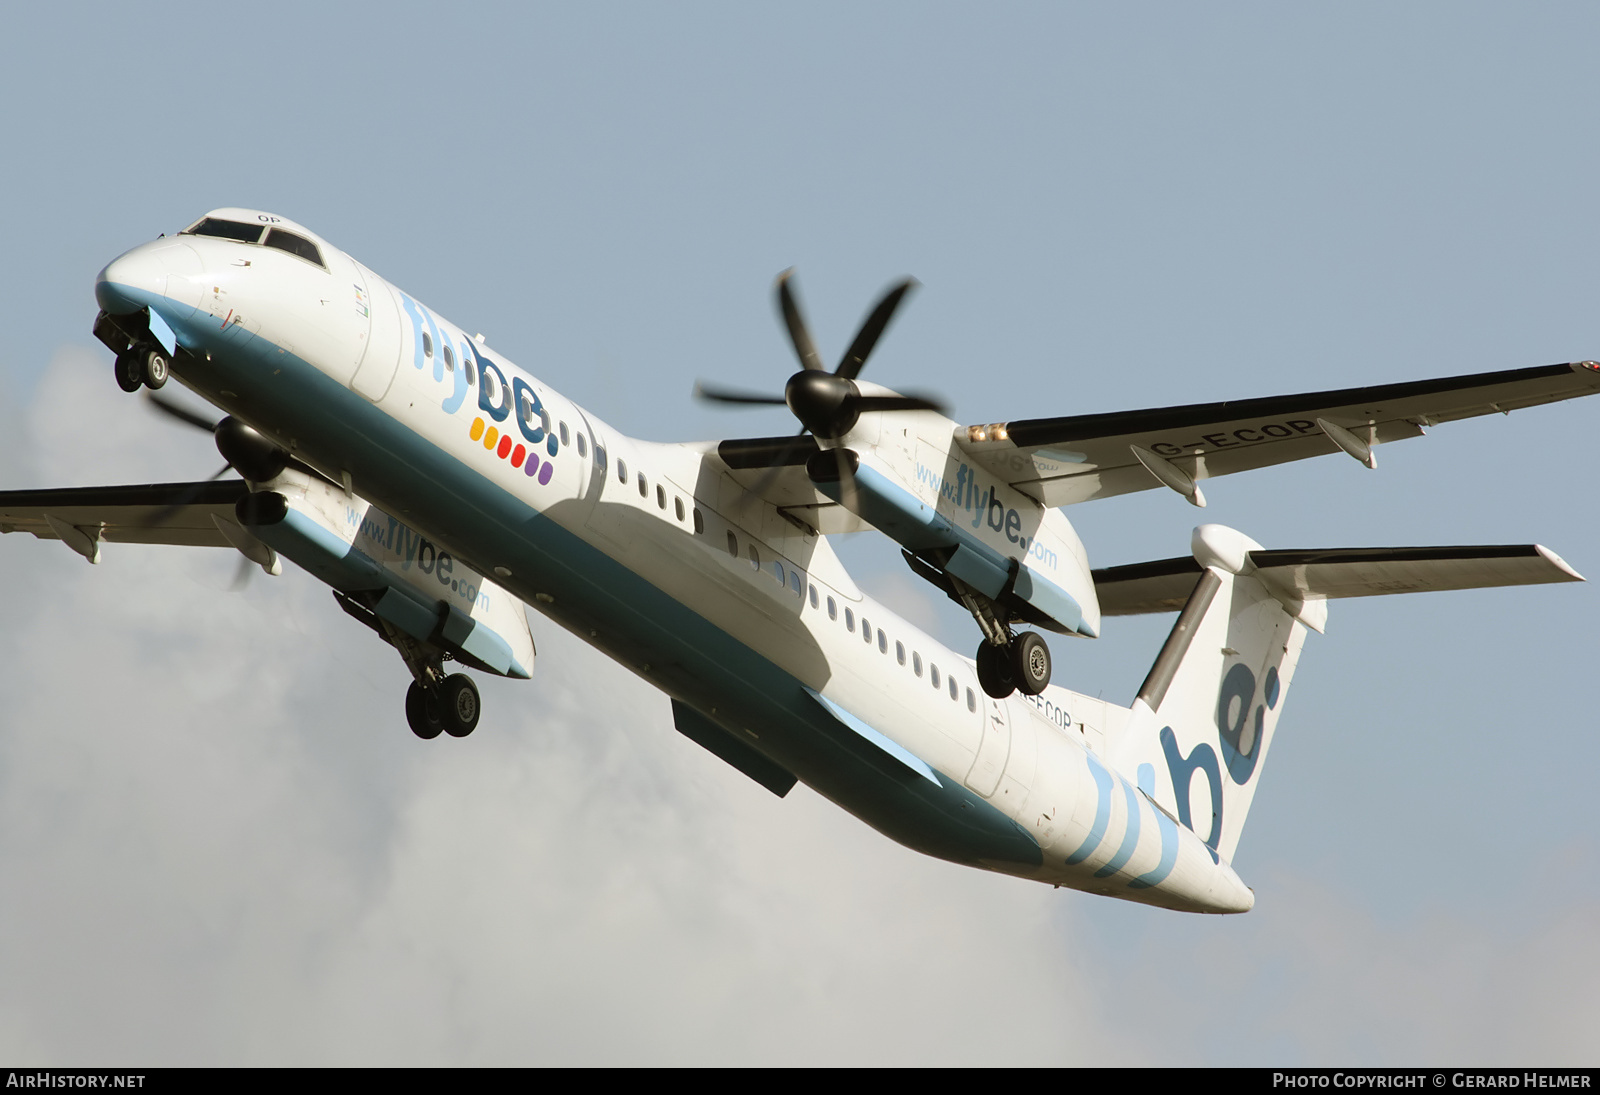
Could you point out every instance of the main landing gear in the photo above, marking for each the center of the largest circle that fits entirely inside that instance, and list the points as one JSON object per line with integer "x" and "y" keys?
{"x": 1007, "y": 663}
{"x": 1021, "y": 665}
{"x": 435, "y": 703}
{"x": 452, "y": 707}
{"x": 142, "y": 367}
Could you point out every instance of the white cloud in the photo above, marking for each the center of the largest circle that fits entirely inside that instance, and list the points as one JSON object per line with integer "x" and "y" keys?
{"x": 221, "y": 845}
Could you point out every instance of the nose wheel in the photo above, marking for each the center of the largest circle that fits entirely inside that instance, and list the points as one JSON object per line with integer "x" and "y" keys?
{"x": 450, "y": 708}
{"x": 141, "y": 367}
{"x": 1021, "y": 665}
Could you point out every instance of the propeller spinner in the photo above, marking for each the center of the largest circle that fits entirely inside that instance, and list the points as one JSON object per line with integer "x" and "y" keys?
{"x": 828, "y": 404}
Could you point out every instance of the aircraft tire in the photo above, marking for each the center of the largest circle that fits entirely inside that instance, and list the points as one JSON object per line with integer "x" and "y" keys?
{"x": 459, "y": 705}
{"x": 154, "y": 368}
{"x": 129, "y": 371}
{"x": 1030, "y": 663}
{"x": 994, "y": 670}
{"x": 423, "y": 712}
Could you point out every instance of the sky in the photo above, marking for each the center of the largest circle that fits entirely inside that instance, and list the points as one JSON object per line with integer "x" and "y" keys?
{"x": 219, "y": 843}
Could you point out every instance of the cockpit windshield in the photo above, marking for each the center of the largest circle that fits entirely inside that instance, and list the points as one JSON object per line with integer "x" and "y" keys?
{"x": 294, "y": 244}
{"x": 227, "y": 230}
{"x": 244, "y": 232}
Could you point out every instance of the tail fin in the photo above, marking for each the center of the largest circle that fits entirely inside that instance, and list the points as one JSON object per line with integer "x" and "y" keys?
{"x": 1212, "y": 699}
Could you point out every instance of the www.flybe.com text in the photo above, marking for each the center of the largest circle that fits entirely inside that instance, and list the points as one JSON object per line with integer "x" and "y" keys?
{"x": 963, "y": 493}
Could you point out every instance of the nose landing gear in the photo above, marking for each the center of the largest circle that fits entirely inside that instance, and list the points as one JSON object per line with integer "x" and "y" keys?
{"x": 141, "y": 367}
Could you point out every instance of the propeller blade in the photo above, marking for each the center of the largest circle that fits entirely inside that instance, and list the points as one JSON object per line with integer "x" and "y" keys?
{"x": 241, "y": 576}
{"x": 872, "y": 329}
{"x": 779, "y": 463}
{"x": 727, "y": 395}
{"x": 898, "y": 403}
{"x": 804, "y": 348}
{"x": 166, "y": 513}
{"x": 182, "y": 414}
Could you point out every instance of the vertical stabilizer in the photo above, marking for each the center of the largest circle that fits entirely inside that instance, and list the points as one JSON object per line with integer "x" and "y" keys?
{"x": 1204, "y": 718}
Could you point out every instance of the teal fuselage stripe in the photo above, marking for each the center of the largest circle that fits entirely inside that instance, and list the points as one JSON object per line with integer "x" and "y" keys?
{"x": 638, "y": 624}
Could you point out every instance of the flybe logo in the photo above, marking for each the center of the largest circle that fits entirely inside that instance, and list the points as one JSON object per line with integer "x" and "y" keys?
{"x": 963, "y": 494}
{"x": 1241, "y": 724}
{"x": 497, "y": 397}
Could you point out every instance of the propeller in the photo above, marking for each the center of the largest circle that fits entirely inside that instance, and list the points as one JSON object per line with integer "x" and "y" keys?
{"x": 243, "y": 449}
{"x": 827, "y": 404}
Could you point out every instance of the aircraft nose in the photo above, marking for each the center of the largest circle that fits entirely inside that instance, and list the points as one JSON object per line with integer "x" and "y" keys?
{"x": 140, "y": 277}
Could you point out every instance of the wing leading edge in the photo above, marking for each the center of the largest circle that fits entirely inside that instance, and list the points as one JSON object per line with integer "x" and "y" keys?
{"x": 186, "y": 514}
{"x": 1077, "y": 458}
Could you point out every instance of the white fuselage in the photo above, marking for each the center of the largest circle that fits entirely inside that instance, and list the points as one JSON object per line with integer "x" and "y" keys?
{"x": 655, "y": 555}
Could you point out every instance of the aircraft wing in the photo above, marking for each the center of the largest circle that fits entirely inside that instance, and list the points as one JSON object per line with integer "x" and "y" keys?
{"x": 1060, "y": 461}
{"x": 156, "y": 513}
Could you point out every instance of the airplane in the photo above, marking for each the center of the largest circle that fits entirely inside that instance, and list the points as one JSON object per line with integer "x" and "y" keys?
{"x": 440, "y": 491}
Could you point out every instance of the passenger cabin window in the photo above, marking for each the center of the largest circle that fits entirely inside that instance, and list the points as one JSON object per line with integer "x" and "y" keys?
{"x": 777, "y": 570}
{"x": 755, "y": 558}
{"x": 733, "y": 545}
{"x": 813, "y": 596}
{"x": 225, "y": 230}
{"x": 622, "y": 472}
{"x": 916, "y": 663}
{"x": 661, "y": 497}
{"x": 600, "y": 458}
{"x": 794, "y": 584}
{"x": 298, "y": 246}
{"x": 583, "y": 446}
{"x": 933, "y": 674}
{"x": 972, "y": 701}
{"x": 900, "y": 652}
{"x": 449, "y": 358}
{"x": 866, "y": 631}
{"x": 472, "y": 373}
{"x": 883, "y": 643}
{"x": 955, "y": 689}
{"x": 677, "y": 503}
{"x": 699, "y": 523}
{"x": 644, "y": 488}
{"x": 849, "y": 619}
{"x": 427, "y": 344}
{"x": 491, "y": 386}
{"x": 564, "y": 440}
{"x": 833, "y": 610}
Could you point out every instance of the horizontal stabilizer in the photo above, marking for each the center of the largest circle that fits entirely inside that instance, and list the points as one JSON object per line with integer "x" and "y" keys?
{"x": 1165, "y": 585}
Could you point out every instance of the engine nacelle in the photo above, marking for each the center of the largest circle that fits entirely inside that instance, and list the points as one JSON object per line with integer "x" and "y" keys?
{"x": 390, "y": 571}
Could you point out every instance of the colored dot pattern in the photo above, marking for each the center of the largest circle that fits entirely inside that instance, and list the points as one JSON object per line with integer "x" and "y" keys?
{"x": 520, "y": 456}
